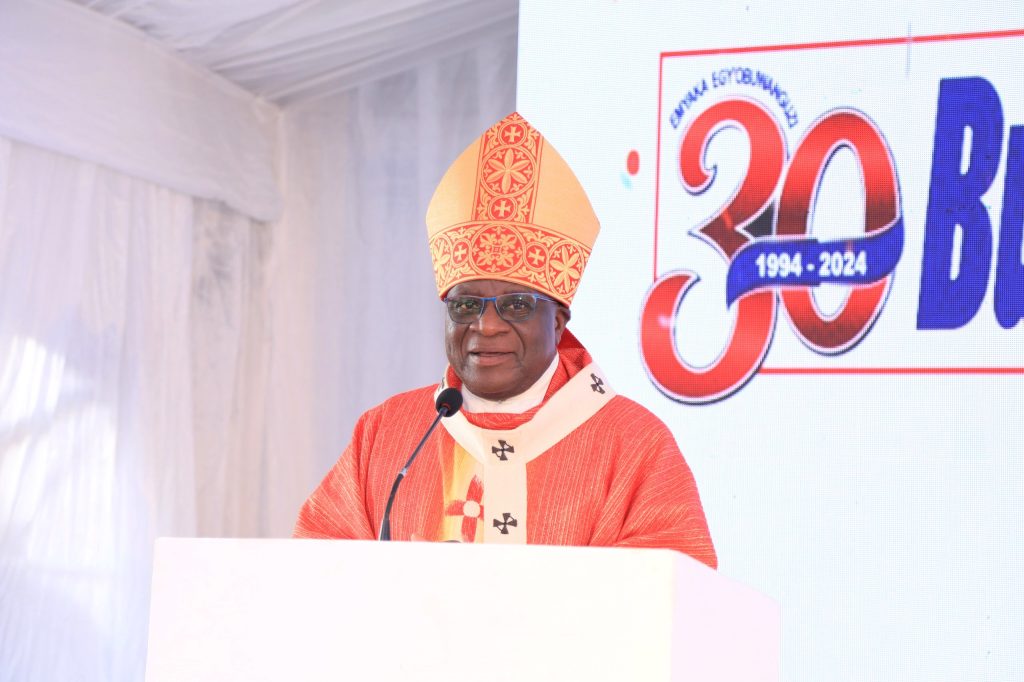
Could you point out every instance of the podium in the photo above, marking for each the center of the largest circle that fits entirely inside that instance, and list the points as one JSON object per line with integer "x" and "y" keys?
{"x": 315, "y": 610}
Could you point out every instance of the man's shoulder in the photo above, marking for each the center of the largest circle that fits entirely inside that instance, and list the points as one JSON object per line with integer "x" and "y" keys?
{"x": 628, "y": 418}
{"x": 408, "y": 402}
{"x": 628, "y": 411}
{"x": 406, "y": 411}
{"x": 635, "y": 430}
{"x": 642, "y": 411}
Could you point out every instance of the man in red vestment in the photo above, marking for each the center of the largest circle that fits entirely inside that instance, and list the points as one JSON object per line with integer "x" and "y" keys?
{"x": 543, "y": 451}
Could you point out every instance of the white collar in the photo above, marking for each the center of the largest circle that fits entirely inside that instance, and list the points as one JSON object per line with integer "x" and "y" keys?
{"x": 517, "y": 404}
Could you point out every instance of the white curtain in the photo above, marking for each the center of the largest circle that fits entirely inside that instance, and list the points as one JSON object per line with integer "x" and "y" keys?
{"x": 169, "y": 366}
{"x": 133, "y": 365}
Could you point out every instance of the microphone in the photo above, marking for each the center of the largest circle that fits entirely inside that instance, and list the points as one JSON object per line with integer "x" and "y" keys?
{"x": 448, "y": 403}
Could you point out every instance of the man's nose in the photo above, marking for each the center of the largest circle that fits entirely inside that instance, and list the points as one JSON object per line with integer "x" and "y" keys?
{"x": 489, "y": 321}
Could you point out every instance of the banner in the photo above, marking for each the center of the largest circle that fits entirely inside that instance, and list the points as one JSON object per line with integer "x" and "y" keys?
{"x": 810, "y": 268}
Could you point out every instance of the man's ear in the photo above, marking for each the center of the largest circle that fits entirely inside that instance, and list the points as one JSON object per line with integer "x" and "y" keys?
{"x": 562, "y": 317}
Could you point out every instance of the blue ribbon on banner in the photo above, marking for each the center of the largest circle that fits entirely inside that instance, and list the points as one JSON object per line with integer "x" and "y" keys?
{"x": 774, "y": 262}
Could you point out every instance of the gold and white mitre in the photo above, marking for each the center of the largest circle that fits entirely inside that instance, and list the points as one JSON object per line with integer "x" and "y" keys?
{"x": 510, "y": 208}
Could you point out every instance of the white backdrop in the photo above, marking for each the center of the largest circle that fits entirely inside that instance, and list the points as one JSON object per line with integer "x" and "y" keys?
{"x": 882, "y": 507}
{"x": 178, "y": 356}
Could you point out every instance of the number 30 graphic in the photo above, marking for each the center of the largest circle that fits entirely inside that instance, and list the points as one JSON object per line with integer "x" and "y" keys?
{"x": 790, "y": 207}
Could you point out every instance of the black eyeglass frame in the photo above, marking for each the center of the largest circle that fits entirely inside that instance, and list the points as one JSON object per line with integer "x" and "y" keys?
{"x": 448, "y": 300}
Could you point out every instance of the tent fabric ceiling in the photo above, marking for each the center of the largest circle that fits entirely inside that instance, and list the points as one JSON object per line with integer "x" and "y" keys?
{"x": 289, "y": 51}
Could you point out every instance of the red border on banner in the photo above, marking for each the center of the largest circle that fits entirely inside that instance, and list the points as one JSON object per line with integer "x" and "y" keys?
{"x": 865, "y": 42}
{"x": 891, "y": 370}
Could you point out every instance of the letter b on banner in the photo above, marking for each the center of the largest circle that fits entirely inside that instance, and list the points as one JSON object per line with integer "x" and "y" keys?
{"x": 948, "y": 299}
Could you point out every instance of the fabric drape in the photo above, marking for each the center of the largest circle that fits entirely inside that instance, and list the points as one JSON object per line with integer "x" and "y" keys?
{"x": 81, "y": 84}
{"x": 170, "y": 366}
{"x": 133, "y": 364}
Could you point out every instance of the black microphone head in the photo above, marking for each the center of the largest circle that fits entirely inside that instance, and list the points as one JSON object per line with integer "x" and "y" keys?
{"x": 448, "y": 402}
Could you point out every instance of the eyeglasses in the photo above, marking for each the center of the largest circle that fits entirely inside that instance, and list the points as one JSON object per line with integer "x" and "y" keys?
{"x": 510, "y": 307}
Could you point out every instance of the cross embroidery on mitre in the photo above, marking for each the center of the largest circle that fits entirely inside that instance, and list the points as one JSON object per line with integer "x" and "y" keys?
{"x": 470, "y": 509}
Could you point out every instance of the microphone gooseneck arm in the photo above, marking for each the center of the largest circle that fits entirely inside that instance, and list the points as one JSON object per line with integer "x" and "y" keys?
{"x": 385, "y": 525}
{"x": 448, "y": 403}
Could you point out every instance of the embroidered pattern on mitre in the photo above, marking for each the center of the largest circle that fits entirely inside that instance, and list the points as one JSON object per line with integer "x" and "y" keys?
{"x": 499, "y": 235}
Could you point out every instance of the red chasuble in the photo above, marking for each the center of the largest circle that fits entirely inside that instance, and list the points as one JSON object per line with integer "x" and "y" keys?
{"x": 586, "y": 467}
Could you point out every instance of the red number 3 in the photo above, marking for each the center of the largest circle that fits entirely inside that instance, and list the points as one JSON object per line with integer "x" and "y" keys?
{"x": 755, "y": 314}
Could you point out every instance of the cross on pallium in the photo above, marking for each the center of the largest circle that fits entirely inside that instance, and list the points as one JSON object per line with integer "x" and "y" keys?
{"x": 598, "y": 385}
{"x": 507, "y": 520}
{"x": 503, "y": 451}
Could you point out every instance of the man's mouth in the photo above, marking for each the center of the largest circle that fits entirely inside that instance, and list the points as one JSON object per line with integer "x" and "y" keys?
{"x": 488, "y": 357}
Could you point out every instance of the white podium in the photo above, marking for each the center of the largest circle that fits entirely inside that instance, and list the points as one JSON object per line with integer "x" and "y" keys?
{"x": 316, "y": 610}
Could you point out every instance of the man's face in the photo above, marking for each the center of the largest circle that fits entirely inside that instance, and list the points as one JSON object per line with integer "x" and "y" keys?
{"x": 497, "y": 359}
